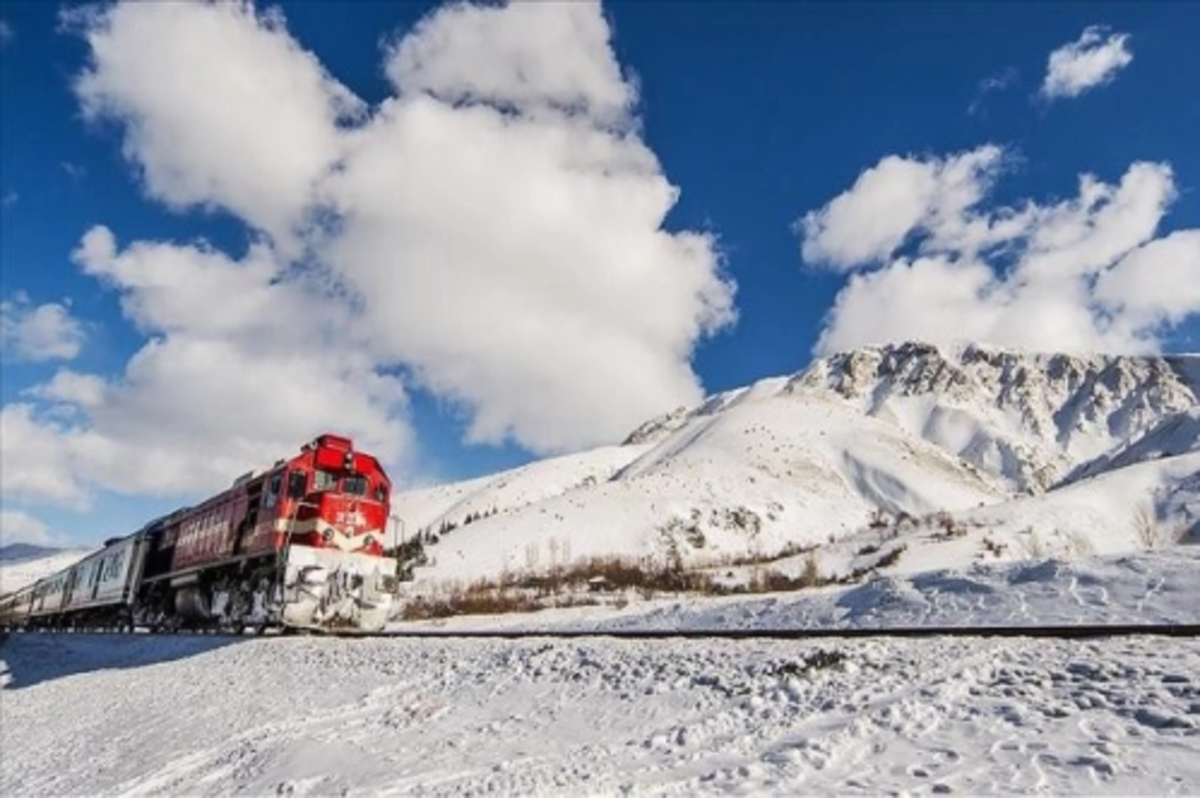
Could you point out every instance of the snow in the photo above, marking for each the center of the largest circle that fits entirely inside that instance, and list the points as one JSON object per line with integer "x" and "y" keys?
{"x": 15, "y": 574}
{"x": 763, "y": 474}
{"x": 133, "y": 715}
{"x": 1042, "y": 490}
{"x": 1036, "y": 453}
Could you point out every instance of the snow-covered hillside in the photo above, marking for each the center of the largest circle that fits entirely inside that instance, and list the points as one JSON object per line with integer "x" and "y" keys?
{"x": 1036, "y": 453}
{"x": 16, "y": 574}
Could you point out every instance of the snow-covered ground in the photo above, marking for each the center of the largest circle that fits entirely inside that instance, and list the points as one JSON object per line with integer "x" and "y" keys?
{"x": 108, "y": 716}
{"x": 118, "y": 715}
{"x": 1151, "y": 588}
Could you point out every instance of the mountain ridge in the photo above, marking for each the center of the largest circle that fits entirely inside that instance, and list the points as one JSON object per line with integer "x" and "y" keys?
{"x": 808, "y": 459}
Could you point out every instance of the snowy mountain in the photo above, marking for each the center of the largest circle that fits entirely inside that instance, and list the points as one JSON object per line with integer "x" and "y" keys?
{"x": 17, "y": 572}
{"x": 1009, "y": 454}
{"x": 13, "y": 552}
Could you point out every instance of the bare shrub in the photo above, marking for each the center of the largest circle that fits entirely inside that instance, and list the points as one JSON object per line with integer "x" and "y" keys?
{"x": 947, "y": 527}
{"x": 994, "y": 548}
{"x": 1146, "y": 528}
{"x": 480, "y": 598}
{"x": 890, "y": 558}
{"x": 1032, "y": 545}
{"x": 811, "y": 575}
{"x": 1079, "y": 545}
{"x": 773, "y": 581}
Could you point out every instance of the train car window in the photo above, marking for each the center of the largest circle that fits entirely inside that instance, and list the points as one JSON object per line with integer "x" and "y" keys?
{"x": 297, "y": 484}
{"x": 324, "y": 480}
{"x": 271, "y": 497}
{"x": 380, "y": 492}
{"x": 355, "y": 485}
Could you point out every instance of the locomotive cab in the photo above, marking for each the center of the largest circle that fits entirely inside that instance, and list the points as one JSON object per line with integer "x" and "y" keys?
{"x": 337, "y": 498}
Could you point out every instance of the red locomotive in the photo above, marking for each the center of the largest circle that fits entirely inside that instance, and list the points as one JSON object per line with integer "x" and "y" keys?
{"x": 297, "y": 545}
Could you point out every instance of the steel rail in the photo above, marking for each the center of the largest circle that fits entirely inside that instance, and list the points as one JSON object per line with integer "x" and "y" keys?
{"x": 1061, "y": 631}
{"x": 1058, "y": 631}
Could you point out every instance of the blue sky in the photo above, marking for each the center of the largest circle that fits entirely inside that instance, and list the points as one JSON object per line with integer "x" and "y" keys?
{"x": 504, "y": 233}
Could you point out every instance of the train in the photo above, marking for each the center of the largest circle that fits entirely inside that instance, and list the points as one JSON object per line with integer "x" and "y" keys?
{"x": 299, "y": 545}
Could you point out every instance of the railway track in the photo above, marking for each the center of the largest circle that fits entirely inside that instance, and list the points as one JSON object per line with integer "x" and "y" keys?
{"x": 1058, "y": 631}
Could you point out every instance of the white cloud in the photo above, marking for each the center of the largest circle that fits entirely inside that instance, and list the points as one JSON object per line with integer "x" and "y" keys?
{"x": 17, "y": 526}
{"x": 7, "y": 34}
{"x": 44, "y": 332}
{"x": 71, "y": 389}
{"x": 1092, "y": 60}
{"x": 898, "y": 198}
{"x": 1156, "y": 284}
{"x": 527, "y": 56}
{"x": 495, "y": 231}
{"x": 511, "y": 222}
{"x": 218, "y": 104}
{"x": 243, "y": 362}
{"x": 1083, "y": 274}
{"x": 36, "y": 459}
{"x": 520, "y": 267}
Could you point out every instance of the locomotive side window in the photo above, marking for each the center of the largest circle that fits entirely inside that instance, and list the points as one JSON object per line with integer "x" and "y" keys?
{"x": 271, "y": 496}
{"x": 297, "y": 484}
{"x": 355, "y": 485}
{"x": 324, "y": 480}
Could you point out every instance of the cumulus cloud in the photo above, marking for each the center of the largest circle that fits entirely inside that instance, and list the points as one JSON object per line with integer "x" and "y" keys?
{"x": 1082, "y": 274}
{"x": 1092, "y": 60}
{"x": 493, "y": 233}
{"x": 518, "y": 263}
{"x": 1156, "y": 283}
{"x": 526, "y": 56}
{"x": 41, "y": 332}
{"x": 36, "y": 458}
{"x": 243, "y": 361}
{"x": 252, "y": 130}
{"x": 900, "y": 197}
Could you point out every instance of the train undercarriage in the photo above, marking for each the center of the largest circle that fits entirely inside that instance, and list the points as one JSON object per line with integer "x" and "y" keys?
{"x": 311, "y": 589}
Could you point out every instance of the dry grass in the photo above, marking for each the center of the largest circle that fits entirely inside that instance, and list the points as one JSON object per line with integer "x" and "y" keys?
{"x": 469, "y": 602}
{"x": 1149, "y": 533}
{"x": 580, "y": 584}
{"x": 995, "y": 548}
{"x": 947, "y": 527}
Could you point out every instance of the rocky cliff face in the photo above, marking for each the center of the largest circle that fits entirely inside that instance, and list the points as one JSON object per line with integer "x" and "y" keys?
{"x": 1030, "y": 419}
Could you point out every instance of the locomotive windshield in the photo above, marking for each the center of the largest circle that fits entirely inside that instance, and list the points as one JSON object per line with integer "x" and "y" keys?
{"x": 351, "y": 484}
{"x": 324, "y": 480}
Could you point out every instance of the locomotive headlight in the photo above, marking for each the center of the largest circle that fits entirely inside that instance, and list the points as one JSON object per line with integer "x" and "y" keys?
{"x": 370, "y": 540}
{"x": 327, "y": 535}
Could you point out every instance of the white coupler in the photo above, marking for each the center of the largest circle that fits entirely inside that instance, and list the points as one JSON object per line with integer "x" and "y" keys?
{"x": 337, "y": 590}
